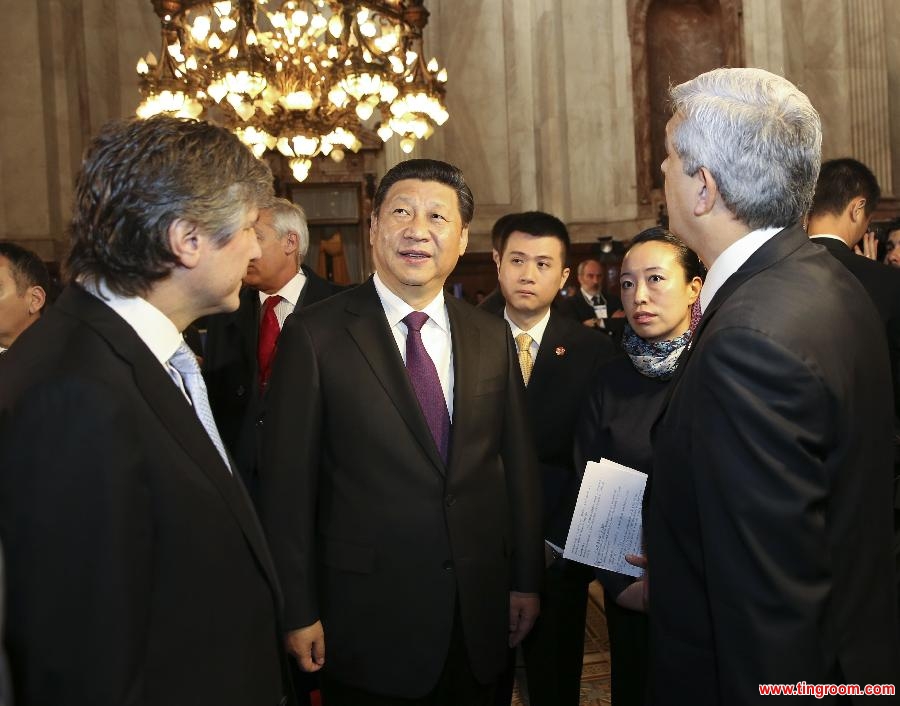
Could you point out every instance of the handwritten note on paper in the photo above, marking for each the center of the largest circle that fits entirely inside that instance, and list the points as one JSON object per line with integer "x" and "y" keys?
{"x": 607, "y": 521}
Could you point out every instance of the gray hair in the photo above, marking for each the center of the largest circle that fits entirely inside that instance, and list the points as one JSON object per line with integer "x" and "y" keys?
{"x": 289, "y": 217}
{"x": 758, "y": 135}
{"x": 139, "y": 176}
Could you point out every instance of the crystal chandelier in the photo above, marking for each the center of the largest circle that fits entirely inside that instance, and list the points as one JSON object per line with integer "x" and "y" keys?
{"x": 303, "y": 77}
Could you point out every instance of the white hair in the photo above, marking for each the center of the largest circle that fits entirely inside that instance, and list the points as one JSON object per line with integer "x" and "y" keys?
{"x": 758, "y": 135}
{"x": 288, "y": 217}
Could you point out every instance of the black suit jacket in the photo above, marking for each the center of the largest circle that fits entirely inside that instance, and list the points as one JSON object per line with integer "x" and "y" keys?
{"x": 371, "y": 532}
{"x": 138, "y": 572}
{"x": 883, "y": 285}
{"x": 769, "y": 529}
{"x": 231, "y": 371}
{"x": 562, "y": 377}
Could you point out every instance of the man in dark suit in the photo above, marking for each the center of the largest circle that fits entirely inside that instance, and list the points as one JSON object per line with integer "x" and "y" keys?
{"x": 240, "y": 345}
{"x": 558, "y": 358}
{"x": 769, "y": 527}
{"x": 408, "y": 544}
{"x": 589, "y": 305}
{"x": 846, "y": 196}
{"x": 137, "y": 572}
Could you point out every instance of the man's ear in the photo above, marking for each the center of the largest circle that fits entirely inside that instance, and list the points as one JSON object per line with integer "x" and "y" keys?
{"x": 707, "y": 192}
{"x": 856, "y": 209}
{"x": 184, "y": 242}
{"x": 496, "y": 257}
{"x": 291, "y": 242}
{"x": 37, "y": 297}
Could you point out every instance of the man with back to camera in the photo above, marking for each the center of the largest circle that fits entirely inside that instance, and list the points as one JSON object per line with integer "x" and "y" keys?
{"x": 24, "y": 285}
{"x": 240, "y": 346}
{"x": 769, "y": 527}
{"x": 558, "y": 358}
{"x": 137, "y": 569}
{"x": 399, "y": 485}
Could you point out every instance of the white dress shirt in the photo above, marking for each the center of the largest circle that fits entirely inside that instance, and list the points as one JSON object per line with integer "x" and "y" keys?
{"x": 153, "y": 327}
{"x": 435, "y": 333}
{"x": 730, "y": 261}
{"x": 536, "y": 332}
{"x": 290, "y": 295}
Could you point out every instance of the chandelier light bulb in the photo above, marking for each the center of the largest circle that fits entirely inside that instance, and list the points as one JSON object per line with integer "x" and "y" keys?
{"x": 433, "y": 65}
{"x": 386, "y": 42}
{"x": 191, "y": 63}
{"x": 368, "y": 29}
{"x": 278, "y": 20}
{"x": 337, "y": 154}
{"x": 214, "y": 42}
{"x": 306, "y": 146}
{"x": 385, "y": 133}
{"x": 411, "y": 57}
{"x": 142, "y": 67}
{"x": 283, "y": 146}
{"x": 300, "y": 18}
{"x": 396, "y": 64}
{"x": 362, "y": 15}
{"x": 338, "y": 96}
{"x": 364, "y": 111}
{"x": 200, "y": 28}
{"x": 318, "y": 23}
{"x": 251, "y": 38}
{"x": 442, "y": 76}
{"x": 217, "y": 90}
{"x": 300, "y": 168}
{"x": 222, "y": 8}
{"x": 335, "y": 26}
{"x": 226, "y": 24}
{"x": 407, "y": 144}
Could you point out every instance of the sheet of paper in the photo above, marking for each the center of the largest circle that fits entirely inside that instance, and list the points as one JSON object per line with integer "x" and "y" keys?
{"x": 607, "y": 521}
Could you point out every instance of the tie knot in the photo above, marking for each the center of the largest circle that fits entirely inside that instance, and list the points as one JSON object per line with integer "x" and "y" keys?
{"x": 523, "y": 341}
{"x": 595, "y": 300}
{"x": 184, "y": 360}
{"x": 270, "y": 303}
{"x": 415, "y": 320}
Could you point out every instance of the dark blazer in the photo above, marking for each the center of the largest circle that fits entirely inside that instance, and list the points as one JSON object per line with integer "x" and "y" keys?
{"x": 562, "y": 377}
{"x": 769, "y": 528}
{"x": 370, "y": 531}
{"x": 883, "y": 285}
{"x": 138, "y": 572}
{"x": 231, "y": 372}
{"x": 577, "y": 307}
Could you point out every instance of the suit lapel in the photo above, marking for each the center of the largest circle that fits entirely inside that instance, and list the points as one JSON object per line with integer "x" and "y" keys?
{"x": 542, "y": 375}
{"x": 369, "y": 329}
{"x": 173, "y": 412}
{"x": 246, "y": 320}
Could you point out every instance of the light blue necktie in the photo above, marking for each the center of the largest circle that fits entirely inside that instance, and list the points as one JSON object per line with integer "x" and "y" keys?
{"x": 185, "y": 363}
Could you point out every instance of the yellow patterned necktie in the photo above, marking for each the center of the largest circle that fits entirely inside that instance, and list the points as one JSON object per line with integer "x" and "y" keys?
{"x": 523, "y": 341}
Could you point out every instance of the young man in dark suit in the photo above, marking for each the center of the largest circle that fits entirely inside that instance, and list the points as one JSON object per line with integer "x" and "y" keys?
{"x": 770, "y": 523}
{"x": 399, "y": 486}
{"x": 558, "y": 358}
{"x": 240, "y": 345}
{"x": 137, "y": 570}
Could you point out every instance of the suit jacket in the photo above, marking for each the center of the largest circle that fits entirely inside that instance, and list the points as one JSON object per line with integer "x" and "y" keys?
{"x": 563, "y": 375}
{"x": 883, "y": 285}
{"x": 371, "y": 532}
{"x": 769, "y": 528}
{"x": 138, "y": 572}
{"x": 231, "y": 371}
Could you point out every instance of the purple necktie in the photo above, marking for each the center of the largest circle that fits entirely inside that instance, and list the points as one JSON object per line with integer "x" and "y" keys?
{"x": 425, "y": 381}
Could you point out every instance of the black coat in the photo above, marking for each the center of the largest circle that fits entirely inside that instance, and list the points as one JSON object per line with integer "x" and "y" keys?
{"x": 770, "y": 521}
{"x": 231, "y": 371}
{"x": 137, "y": 571}
{"x": 371, "y": 532}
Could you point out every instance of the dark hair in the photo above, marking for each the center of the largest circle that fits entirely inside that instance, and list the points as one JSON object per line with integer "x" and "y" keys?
{"x": 536, "y": 223}
{"x": 498, "y": 229}
{"x": 841, "y": 181}
{"x": 687, "y": 258}
{"x": 27, "y": 269}
{"x": 139, "y": 176}
{"x": 429, "y": 170}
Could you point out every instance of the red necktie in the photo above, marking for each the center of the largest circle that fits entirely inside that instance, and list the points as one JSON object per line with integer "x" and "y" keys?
{"x": 268, "y": 337}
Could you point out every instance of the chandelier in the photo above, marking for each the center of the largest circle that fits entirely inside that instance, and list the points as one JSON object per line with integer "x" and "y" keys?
{"x": 303, "y": 77}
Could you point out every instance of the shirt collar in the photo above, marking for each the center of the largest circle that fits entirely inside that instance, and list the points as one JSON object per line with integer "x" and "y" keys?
{"x": 290, "y": 291}
{"x": 536, "y": 332}
{"x": 589, "y": 297}
{"x": 153, "y": 327}
{"x": 395, "y": 309}
{"x": 831, "y": 237}
{"x": 730, "y": 261}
